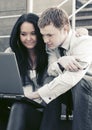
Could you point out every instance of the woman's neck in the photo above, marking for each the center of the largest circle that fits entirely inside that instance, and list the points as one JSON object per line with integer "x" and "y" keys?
{"x": 32, "y": 58}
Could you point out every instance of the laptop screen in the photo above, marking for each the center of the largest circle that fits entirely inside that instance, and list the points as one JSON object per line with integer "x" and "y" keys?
{"x": 10, "y": 80}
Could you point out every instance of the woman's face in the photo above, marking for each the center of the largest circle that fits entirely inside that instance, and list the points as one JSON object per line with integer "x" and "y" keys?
{"x": 27, "y": 35}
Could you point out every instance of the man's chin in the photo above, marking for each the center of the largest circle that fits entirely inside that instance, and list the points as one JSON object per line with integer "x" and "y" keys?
{"x": 51, "y": 47}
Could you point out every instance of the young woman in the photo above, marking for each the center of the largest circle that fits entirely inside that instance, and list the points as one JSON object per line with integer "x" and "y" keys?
{"x": 27, "y": 44}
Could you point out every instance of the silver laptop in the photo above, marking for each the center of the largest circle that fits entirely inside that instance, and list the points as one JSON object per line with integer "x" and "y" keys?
{"x": 10, "y": 80}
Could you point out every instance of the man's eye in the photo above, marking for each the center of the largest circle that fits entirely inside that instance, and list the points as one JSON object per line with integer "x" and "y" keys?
{"x": 43, "y": 36}
{"x": 49, "y": 35}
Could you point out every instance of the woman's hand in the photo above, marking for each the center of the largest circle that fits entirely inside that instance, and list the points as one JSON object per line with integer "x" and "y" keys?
{"x": 81, "y": 31}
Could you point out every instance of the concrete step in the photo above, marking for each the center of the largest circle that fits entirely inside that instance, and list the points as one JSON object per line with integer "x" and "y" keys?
{"x": 80, "y": 3}
{"x": 84, "y": 23}
{"x": 87, "y": 27}
{"x": 6, "y": 27}
{"x": 84, "y": 17}
{"x": 85, "y": 12}
{"x": 89, "y": 5}
{"x": 4, "y": 43}
{"x": 84, "y": 20}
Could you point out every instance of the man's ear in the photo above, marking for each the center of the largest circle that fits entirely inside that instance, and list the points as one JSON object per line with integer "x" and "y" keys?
{"x": 66, "y": 27}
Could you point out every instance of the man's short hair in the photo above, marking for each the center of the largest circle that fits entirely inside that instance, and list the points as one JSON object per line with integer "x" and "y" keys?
{"x": 58, "y": 17}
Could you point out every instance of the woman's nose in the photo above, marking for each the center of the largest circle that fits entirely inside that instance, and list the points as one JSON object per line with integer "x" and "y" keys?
{"x": 28, "y": 37}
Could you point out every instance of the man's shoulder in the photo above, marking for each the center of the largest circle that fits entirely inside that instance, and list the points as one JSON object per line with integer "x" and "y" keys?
{"x": 83, "y": 38}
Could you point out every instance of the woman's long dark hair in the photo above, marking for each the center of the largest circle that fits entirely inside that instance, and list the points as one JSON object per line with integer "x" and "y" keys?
{"x": 21, "y": 51}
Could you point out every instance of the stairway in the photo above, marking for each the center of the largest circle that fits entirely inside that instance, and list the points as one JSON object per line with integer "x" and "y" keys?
{"x": 84, "y": 18}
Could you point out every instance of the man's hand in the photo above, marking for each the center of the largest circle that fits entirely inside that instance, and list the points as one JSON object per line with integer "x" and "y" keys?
{"x": 29, "y": 94}
{"x": 70, "y": 63}
{"x": 34, "y": 95}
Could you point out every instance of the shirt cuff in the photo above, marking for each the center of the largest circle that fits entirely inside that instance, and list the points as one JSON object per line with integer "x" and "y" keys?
{"x": 46, "y": 94}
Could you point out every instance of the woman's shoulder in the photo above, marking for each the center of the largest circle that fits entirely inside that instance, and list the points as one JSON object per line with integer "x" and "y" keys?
{"x": 8, "y": 50}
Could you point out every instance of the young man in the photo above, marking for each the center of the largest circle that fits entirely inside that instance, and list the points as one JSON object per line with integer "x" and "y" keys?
{"x": 55, "y": 28}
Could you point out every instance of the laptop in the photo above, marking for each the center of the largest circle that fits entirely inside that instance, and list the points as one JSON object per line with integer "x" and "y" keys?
{"x": 10, "y": 80}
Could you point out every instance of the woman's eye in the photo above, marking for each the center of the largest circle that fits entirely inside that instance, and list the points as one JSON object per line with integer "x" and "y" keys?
{"x": 33, "y": 33}
{"x": 23, "y": 34}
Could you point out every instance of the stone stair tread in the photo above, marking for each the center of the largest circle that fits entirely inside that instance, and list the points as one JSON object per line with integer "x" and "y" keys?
{"x": 83, "y": 17}
{"x": 87, "y": 27}
{"x": 85, "y": 9}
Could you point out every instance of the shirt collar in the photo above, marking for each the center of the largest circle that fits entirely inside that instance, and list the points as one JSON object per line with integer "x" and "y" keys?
{"x": 66, "y": 43}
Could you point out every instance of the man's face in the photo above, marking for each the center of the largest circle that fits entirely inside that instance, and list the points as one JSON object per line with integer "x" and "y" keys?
{"x": 53, "y": 36}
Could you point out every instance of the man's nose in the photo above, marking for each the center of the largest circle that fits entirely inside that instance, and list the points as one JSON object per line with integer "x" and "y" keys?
{"x": 46, "y": 39}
